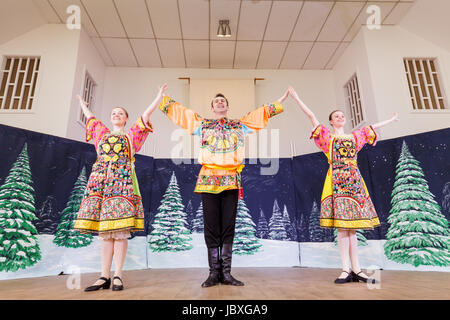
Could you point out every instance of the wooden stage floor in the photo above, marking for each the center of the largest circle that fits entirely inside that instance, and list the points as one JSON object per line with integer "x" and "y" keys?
{"x": 260, "y": 284}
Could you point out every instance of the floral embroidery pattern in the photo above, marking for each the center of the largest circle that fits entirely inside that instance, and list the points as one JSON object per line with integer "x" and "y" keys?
{"x": 221, "y": 136}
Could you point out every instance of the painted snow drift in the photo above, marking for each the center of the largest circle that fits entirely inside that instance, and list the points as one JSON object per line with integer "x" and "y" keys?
{"x": 42, "y": 181}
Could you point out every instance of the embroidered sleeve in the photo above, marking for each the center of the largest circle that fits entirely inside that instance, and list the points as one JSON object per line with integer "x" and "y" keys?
{"x": 180, "y": 115}
{"x": 258, "y": 119}
{"x": 365, "y": 135}
{"x": 95, "y": 130}
{"x": 322, "y": 137}
{"x": 139, "y": 132}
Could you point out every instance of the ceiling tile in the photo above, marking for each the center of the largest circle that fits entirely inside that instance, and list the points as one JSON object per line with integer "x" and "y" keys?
{"x": 120, "y": 52}
{"x": 398, "y": 13}
{"x": 222, "y": 53}
{"x": 146, "y": 52}
{"x": 197, "y": 53}
{"x": 253, "y": 19}
{"x": 295, "y": 55}
{"x": 311, "y": 20}
{"x": 105, "y": 18}
{"x": 246, "y": 54}
{"x": 172, "y": 54}
{"x": 61, "y": 6}
{"x": 320, "y": 55}
{"x": 282, "y": 20}
{"x": 340, "y": 20}
{"x": 47, "y": 11}
{"x": 271, "y": 54}
{"x": 165, "y": 18}
{"x": 340, "y": 50}
{"x": 102, "y": 51}
{"x": 194, "y": 16}
{"x": 134, "y": 16}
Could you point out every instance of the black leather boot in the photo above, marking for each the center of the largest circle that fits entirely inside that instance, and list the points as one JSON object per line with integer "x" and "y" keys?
{"x": 214, "y": 268}
{"x": 225, "y": 257}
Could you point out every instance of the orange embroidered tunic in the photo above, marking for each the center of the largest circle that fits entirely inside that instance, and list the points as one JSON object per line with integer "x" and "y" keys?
{"x": 222, "y": 149}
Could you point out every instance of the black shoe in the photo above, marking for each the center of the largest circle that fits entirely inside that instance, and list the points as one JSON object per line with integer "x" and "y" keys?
{"x": 349, "y": 278}
{"x": 104, "y": 285}
{"x": 226, "y": 278}
{"x": 214, "y": 268}
{"x": 357, "y": 278}
{"x": 116, "y": 287}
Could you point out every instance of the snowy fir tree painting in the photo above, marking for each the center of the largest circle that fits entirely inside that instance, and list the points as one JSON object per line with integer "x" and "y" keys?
{"x": 316, "y": 232}
{"x": 190, "y": 214}
{"x": 290, "y": 230}
{"x": 65, "y": 235}
{"x": 19, "y": 247}
{"x": 446, "y": 201}
{"x": 277, "y": 231}
{"x": 48, "y": 217}
{"x": 362, "y": 241}
{"x": 262, "y": 229}
{"x": 245, "y": 240}
{"x": 170, "y": 232}
{"x": 197, "y": 222}
{"x": 418, "y": 232}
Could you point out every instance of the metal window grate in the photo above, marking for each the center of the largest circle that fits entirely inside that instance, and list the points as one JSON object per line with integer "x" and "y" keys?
{"x": 18, "y": 82}
{"x": 88, "y": 94}
{"x": 354, "y": 101}
{"x": 424, "y": 86}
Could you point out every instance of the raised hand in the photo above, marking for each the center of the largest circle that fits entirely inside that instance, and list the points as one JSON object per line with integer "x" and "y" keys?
{"x": 161, "y": 90}
{"x": 80, "y": 99}
{"x": 292, "y": 93}
{"x": 286, "y": 94}
{"x": 395, "y": 118}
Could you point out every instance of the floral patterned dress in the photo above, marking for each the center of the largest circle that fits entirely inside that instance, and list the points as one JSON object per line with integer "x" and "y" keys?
{"x": 112, "y": 204}
{"x": 345, "y": 201}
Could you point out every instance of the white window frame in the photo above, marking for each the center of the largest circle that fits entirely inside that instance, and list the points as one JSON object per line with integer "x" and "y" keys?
{"x": 87, "y": 92}
{"x": 34, "y": 81}
{"x": 350, "y": 104}
{"x": 440, "y": 80}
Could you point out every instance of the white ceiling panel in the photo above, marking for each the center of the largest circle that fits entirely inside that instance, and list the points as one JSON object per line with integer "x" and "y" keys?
{"x": 194, "y": 15}
{"x": 222, "y": 53}
{"x": 295, "y": 55}
{"x": 340, "y": 50}
{"x": 224, "y": 10}
{"x": 165, "y": 18}
{"x": 246, "y": 54}
{"x": 253, "y": 19}
{"x": 135, "y": 18}
{"x": 104, "y": 17}
{"x": 172, "y": 53}
{"x": 311, "y": 20}
{"x": 61, "y": 6}
{"x": 385, "y": 9}
{"x": 282, "y": 20}
{"x": 340, "y": 20}
{"x": 120, "y": 52}
{"x": 48, "y": 13}
{"x": 398, "y": 13}
{"x": 271, "y": 54}
{"x": 197, "y": 53}
{"x": 320, "y": 55}
{"x": 146, "y": 52}
{"x": 98, "y": 43}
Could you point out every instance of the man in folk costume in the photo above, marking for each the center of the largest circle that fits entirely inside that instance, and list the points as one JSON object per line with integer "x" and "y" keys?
{"x": 219, "y": 181}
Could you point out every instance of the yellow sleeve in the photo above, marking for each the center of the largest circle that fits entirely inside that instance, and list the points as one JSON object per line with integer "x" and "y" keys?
{"x": 182, "y": 116}
{"x": 259, "y": 118}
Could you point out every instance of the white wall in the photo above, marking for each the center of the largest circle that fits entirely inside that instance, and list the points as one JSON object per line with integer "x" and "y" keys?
{"x": 58, "y": 48}
{"x": 88, "y": 60}
{"x": 135, "y": 88}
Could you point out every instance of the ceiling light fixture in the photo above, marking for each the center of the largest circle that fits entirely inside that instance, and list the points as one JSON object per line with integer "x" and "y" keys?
{"x": 224, "y": 30}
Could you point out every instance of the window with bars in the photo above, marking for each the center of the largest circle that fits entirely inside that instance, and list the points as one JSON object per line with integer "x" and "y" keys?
{"x": 88, "y": 94}
{"x": 18, "y": 83}
{"x": 424, "y": 85}
{"x": 354, "y": 101}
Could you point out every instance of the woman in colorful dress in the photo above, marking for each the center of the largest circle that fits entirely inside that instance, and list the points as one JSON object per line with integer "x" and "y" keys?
{"x": 219, "y": 180}
{"x": 345, "y": 201}
{"x": 112, "y": 206}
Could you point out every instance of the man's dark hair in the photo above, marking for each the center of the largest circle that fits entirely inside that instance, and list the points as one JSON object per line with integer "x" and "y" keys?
{"x": 219, "y": 95}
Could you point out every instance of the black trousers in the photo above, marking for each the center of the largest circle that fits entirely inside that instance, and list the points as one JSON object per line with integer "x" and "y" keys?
{"x": 219, "y": 216}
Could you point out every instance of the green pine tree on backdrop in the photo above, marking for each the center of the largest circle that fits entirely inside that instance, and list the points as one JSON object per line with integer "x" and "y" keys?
{"x": 245, "y": 240}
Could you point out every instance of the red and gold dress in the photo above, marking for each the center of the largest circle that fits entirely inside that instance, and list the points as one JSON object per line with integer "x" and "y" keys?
{"x": 345, "y": 201}
{"x": 112, "y": 205}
